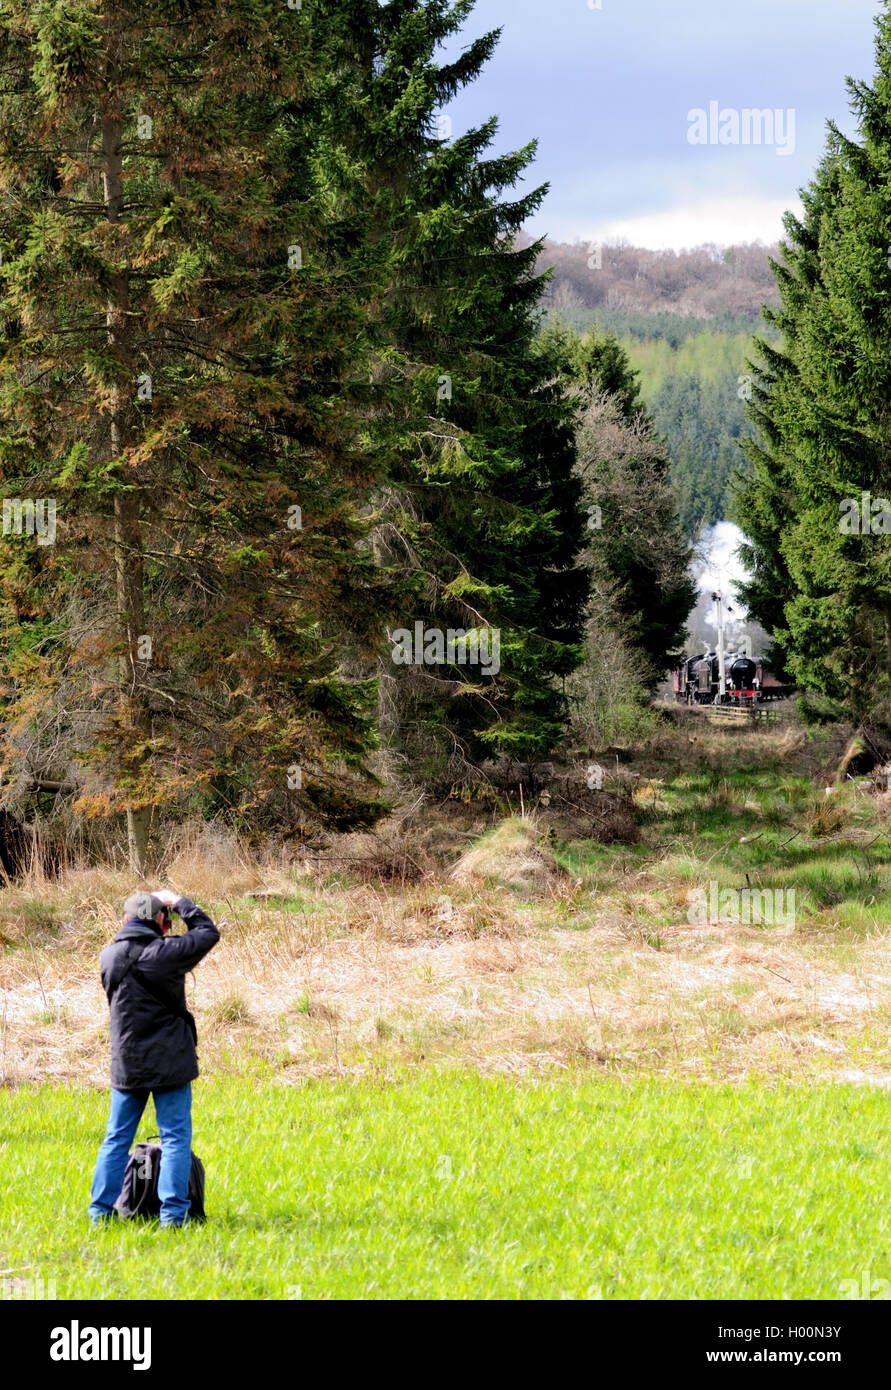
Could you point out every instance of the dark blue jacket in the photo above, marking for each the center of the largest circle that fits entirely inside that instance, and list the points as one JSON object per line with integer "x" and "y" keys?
{"x": 152, "y": 1033}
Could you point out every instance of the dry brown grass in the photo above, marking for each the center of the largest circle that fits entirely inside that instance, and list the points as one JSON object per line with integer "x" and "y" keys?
{"x": 510, "y": 856}
{"x": 827, "y": 817}
{"x": 359, "y": 976}
{"x": 506, "y": 963}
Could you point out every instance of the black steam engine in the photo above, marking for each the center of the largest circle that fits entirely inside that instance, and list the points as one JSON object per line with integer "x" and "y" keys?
{"x": 746, "y": 681}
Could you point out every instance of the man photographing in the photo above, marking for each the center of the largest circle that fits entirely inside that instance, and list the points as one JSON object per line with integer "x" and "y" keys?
{"x": 153, "y": 1045}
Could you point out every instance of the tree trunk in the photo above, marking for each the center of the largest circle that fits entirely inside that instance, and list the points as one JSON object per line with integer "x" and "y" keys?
{"x": 130, "y": 595}
{"x": 387, "y": 720}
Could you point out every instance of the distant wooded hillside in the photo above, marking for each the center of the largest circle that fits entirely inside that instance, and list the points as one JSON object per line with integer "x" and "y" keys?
{"x": 686, "y": 320}
{"x": 707, "y": 282}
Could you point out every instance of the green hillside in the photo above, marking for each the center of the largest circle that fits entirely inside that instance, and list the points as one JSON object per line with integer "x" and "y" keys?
{"x": 696, "y": 392}
{"x": 694, "y": 378}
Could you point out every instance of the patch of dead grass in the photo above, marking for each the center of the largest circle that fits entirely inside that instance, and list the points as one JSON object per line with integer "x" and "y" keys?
{"x": 505, "y": 964}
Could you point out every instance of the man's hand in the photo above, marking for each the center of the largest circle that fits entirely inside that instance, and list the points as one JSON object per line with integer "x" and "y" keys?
{"x": 165, "y": 896}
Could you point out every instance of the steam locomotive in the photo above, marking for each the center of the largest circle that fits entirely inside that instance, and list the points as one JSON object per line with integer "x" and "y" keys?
{"x": 747, "y": 682}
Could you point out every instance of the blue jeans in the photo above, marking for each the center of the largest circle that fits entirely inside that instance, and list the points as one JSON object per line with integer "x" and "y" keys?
{"x": 173, "y": 1110}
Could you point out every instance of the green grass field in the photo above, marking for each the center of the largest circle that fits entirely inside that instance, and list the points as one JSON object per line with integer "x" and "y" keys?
{"x": 453, "y": 1185}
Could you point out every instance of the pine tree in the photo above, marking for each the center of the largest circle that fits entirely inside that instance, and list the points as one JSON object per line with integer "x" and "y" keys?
{"x": 815, "y": 513}
{"x": 181, "y": 318}
{"x": 480, "y": 511}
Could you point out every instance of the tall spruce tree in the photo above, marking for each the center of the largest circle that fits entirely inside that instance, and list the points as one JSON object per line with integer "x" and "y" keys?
{"x": 815, "y": 512}
{"x": 480, "y": 510}
{"x": 180, "y": 319}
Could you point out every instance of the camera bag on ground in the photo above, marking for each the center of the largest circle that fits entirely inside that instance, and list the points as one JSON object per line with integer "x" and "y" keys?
{"x": 139, "y": 1196}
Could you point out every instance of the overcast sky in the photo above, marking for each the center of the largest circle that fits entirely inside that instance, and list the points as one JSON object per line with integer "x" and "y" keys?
{"x": 608, "y": 92}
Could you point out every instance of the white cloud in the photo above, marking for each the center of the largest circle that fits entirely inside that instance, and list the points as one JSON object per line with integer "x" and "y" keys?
{"x": 725, "y": 220}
